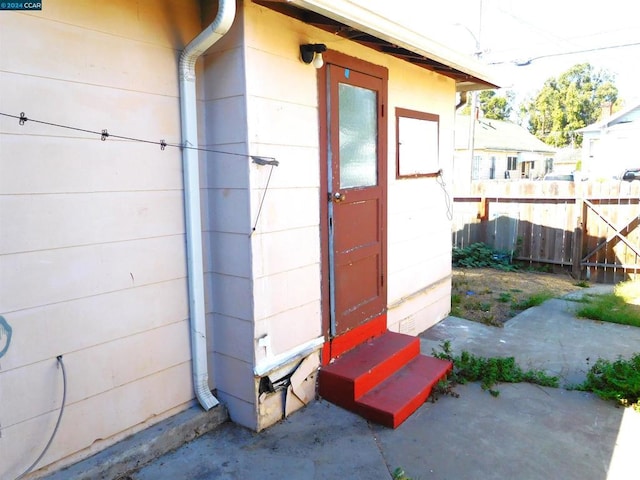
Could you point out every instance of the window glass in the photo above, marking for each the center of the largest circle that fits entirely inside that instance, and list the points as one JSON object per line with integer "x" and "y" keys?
{"x": 358, "y": 119}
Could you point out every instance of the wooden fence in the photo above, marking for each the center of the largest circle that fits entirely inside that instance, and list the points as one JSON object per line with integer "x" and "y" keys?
{"x": 589, "y": 228}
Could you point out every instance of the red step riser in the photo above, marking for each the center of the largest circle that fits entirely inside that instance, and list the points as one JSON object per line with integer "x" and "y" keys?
{"x": 383, "y": 371}
{"x": 389, "y": 419}
{"x": 343, "y": 389}
{"x": 393, "y": 419}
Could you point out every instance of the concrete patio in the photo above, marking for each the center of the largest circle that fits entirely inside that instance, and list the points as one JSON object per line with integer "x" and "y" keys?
{"x": 527, "y": 432}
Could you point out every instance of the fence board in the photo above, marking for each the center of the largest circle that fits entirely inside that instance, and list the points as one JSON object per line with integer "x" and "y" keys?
{"x": 547, "y": 222}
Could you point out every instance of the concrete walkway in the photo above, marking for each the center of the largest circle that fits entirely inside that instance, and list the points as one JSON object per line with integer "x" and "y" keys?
{"x": 528, "y": 432}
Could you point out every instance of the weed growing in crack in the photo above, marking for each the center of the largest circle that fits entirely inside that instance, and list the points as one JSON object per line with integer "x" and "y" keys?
{"x": 398, "y": 474}
{"x": 489, "y": 370}
{"x": 618, "y": 380}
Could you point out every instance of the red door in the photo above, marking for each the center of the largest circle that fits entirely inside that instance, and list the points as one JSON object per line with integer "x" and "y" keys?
{"x": 354, "y": 193}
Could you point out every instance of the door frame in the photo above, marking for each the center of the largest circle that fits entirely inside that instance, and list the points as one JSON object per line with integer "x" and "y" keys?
{"x": 334, "y": 346}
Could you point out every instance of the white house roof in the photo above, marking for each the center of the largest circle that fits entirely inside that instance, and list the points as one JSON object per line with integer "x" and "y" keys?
{"x": 385, "y": 35}
{"x": 626, "y": 115}
{"x": 498, "y": 135}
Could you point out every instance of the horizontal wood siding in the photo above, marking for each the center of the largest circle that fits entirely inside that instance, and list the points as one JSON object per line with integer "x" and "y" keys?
{"x": 92, "y": 249}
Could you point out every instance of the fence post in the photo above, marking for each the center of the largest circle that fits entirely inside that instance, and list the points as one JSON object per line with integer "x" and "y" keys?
{"x": 578, "y": 233}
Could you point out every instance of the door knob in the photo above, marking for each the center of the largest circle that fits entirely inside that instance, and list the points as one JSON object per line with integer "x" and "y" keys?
{"x": 337, "y": 197}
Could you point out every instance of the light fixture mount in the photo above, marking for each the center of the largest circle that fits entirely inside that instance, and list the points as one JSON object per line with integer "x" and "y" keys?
{"x": 308, "y": 51}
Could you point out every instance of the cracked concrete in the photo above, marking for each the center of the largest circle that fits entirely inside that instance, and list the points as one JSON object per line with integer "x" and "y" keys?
{"x": 528, "y": 432}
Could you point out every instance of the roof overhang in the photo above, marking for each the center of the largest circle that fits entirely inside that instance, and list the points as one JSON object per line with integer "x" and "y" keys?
{"x": 364, "y": 26}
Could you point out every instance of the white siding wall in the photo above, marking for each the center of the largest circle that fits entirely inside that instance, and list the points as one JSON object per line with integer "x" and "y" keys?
{"x": 227, "y": 224}
{"x": 92, "y": 249}
{"x": 419, "y": 230}
{"x": 283, "y": 122}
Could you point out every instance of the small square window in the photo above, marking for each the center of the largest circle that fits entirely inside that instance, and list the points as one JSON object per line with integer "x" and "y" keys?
{"x": 417, "y": 144}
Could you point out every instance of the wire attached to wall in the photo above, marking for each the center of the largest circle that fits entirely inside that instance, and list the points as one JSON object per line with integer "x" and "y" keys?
{"x": 447, "y": 197}
{"x": 263, "y": 161}
{"x": 55, "y": 429}
{"x": 104, "y": 135}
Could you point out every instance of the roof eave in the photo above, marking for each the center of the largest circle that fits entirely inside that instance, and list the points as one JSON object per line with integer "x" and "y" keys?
{"x": 476, "y": 75}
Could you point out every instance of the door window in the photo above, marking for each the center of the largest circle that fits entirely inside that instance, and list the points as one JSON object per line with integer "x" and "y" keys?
{"x": 358, "y": 136}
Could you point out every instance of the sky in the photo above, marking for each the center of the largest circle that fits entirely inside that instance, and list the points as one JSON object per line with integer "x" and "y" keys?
{"x": 543, "y": 31}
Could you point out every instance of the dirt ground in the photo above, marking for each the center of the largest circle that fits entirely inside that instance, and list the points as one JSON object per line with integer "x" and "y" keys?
{"x": 492, "y": 296}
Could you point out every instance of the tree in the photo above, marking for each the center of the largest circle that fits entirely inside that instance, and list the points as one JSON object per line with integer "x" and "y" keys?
{"x": 494, "y": 106}
{"x": 568, "y": 103}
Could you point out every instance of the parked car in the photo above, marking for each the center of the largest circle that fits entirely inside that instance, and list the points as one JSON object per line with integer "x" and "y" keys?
{"x": 631, "y": 174}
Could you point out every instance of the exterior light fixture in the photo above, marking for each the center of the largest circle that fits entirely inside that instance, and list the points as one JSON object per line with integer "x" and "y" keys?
{"x": 312, "y": 53}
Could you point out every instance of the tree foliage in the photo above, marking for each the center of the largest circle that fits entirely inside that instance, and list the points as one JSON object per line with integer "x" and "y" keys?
{"x": 494, "y": 106}
{"x": 568, "y": 103}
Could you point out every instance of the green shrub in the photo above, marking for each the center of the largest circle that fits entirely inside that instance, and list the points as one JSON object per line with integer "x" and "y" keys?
{"x": 481, "y": 255}
{"x": 618, "y": 380}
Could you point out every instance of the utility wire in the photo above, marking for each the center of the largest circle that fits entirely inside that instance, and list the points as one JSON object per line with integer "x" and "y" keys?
{"x": 104, "y": 135}
{"x": 522, "y": 63}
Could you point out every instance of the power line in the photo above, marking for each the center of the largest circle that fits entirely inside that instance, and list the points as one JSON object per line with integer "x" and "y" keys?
{"x": 522, "y": 63}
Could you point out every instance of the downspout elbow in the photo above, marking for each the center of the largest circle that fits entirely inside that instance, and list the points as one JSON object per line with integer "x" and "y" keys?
{"x": 206, "y": 38}
{"x": 191, "y": 176}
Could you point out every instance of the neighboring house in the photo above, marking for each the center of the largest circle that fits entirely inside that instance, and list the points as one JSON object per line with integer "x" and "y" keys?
{"x": 611, "y": 145}
{"x": 500, "y": 150}
{"x": 312, "y": 209}
{"x": 567, "y": 160}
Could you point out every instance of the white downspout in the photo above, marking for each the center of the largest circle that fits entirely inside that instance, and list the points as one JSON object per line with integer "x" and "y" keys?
{"x": 191, "y": 175}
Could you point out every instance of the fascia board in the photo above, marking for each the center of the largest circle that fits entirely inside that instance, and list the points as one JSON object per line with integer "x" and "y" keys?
{"x": 370, "y": 22}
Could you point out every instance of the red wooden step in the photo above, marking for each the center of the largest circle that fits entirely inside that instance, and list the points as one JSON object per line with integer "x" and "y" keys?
{"x": 361, "y": 369}
{"x": 395, "y": 399}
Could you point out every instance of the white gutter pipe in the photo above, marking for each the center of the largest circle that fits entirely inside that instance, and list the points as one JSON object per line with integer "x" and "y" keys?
{"x": 191, "y": 175}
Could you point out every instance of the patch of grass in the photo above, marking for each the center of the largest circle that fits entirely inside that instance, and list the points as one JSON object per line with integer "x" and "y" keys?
{"x": 582, "y": 284}
{"x": 456, "y": 302}
{"x": 622, "y": 306}
{"x": 490, "y": 320}
{"x": 485, "y": 306}
{"x": 618, "y": 380}
{"x": 505, "y": 297}
{"x": 533, "y": 300}
{"x": 490, "y": 371}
